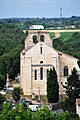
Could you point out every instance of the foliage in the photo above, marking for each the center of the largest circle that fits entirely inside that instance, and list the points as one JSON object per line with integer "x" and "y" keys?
{"x": 45, "y": 114}
{"x": 17, "y": 92}
{"x": 2, "y": 81}
{"x": 52, "y": 34}
{"x": 52, "y": 86}
{"x": 42, "y": 114}
{"x": 68, "y": 116}
{"x": 65, "y": 35}
{"x": 2, "y": 99}
{"x": 25, "y": 23}
{"x": 72, "y": 87}
{"x": 11, "y": 44}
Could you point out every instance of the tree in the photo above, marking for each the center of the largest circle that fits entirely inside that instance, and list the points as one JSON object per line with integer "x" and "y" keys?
{"x": 11, "y": 44}
{"x": 19, "y": 113}
{"x": 17, "y": 92}
{"x": 72, "y": 90}
{"x": 2, "y": 81}
{"x": 2, "y": 99}
{"x": 52, "y": 86}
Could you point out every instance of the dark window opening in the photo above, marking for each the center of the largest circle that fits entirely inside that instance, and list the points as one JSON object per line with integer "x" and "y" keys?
{"x": 41, "y": 50}
{"x": 41, "y": 73}
{"x": 65, "y": 71}
{"x": 41, "y": 61}
{"x": 42, "y": 38}
{"x": 35, "y": 75}
{"x": 35, "y": 39}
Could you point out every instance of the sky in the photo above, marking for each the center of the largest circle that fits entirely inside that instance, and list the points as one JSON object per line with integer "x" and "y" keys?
{"x": 39, "y": 8}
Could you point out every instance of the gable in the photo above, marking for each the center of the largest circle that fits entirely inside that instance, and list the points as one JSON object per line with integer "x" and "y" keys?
{"x": 42, "y": 52}
{"x": 46, "y": 50}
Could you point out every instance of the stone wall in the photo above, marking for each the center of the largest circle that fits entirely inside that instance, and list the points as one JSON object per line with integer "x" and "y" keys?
{"x": 30, "y": 61}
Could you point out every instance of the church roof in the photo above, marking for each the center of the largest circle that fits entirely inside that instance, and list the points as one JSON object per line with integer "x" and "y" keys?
{"x": 60, "y": 53}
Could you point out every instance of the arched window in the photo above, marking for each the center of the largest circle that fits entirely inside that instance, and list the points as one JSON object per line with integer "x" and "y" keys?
{"x": 47, "y": 71}
{"x": 35, "y": 39}
{"x": 41, "y": 73}
{"x": 65, "y": 71}
{"x": 42, "y": 38}
{"x": 35, "y": 75}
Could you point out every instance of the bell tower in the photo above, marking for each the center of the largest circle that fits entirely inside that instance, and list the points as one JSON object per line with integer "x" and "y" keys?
{"x": 37, "y": 36}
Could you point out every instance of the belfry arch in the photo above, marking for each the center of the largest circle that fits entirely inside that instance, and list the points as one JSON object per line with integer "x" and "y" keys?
{"x": 35, "y": 39}
{"x": 42, "y": 38}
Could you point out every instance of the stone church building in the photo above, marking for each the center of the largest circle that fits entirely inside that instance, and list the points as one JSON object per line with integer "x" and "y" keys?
{"x": 37, "y": 58}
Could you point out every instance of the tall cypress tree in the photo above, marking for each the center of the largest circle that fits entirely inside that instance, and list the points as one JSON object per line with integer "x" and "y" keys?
{"x": 72, "y": 90}
{"x": 52, "y": 86}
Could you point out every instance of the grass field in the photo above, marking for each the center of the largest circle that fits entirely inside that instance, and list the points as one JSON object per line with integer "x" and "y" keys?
{"x": 52, "y": 34}
{"x": 62, "y": 34}
{"x": 66, "y": 35}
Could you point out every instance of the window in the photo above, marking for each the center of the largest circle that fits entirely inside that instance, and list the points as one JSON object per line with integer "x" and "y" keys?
{"x": 41, "y": 50}
{"x": 41, "y": 62}
{"x": 42, "y": 38}
{"x": 35, "y": 75}
{"x": 65, "y": 71}
{"x": 35, "y": 39}
{"x": 41, "y": 73}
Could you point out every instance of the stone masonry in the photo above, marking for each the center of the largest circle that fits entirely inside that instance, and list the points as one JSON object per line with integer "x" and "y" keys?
{"x": 37, "y": 58}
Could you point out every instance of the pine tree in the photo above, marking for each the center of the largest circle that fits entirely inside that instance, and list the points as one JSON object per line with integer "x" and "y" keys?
{"x": 72, "y": 90}
{"x": 52, "y": 86}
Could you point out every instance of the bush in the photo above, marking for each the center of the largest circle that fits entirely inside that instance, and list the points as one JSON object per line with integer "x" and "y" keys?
{"x": 42, "y": 114}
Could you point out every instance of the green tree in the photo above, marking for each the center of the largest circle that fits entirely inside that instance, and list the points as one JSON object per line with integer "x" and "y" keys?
{"x": 52, "y": 86}
{"x": 72, "y": 90}
{"x": 2, "y": 99}
{"x": 2, "y": 81}
{"x": 11, "y": 44}
{"x": 17, "y": 92}
{"x": 42, "y": 114}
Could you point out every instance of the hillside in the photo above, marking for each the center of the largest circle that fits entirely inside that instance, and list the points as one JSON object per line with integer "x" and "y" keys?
{"x": 11, "y": 44}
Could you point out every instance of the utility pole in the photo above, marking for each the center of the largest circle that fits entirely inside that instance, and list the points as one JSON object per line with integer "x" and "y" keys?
{"x": 61, "y": 17}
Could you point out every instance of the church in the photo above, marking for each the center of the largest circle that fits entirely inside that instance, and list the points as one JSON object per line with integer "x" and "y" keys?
{"x": 37, "y": 58}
